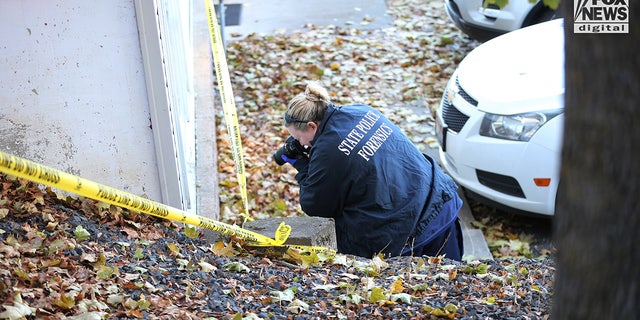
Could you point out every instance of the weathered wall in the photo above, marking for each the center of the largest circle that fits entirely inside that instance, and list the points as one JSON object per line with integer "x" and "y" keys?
{"x": 72, "y": 91}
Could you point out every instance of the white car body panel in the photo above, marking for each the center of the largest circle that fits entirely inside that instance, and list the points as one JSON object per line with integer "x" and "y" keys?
{"x": 522, "y": 71}
{"x": 517, "y": 60}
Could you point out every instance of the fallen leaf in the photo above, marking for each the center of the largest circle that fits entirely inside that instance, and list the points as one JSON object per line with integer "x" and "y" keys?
{"x": 403, "y": 297}
{"x": 19, "y": 310}
{"x": 377, "y": 295}
{"x": 279, "y": 296}
{"x": 81, "y": 233}
{"x": 397, "y": 286}
{"x": 236, "y": 267}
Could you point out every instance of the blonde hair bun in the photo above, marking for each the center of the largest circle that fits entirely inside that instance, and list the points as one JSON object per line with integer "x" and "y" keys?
{"x": 317, "y": 92}
{"x": 310, "y": 105}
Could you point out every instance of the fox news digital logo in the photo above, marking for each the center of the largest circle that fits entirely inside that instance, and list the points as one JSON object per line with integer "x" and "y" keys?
{"x": 601, "y": 16}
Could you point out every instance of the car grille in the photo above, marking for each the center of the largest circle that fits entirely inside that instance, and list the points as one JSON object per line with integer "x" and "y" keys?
{"x": 455, "y": 119}
{"x": 501, "y": 183}
{"x": 465, "y": 95}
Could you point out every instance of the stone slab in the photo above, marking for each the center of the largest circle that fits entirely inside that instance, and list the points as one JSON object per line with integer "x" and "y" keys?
{"x": 306, "y": 231}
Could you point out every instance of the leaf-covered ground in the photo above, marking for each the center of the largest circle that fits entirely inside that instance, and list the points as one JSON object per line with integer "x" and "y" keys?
{"x": 72, "y": 258}
{"x": 401, "y": 70}
{"x": 513, "y": 235}
{"x": 63, "y": 257}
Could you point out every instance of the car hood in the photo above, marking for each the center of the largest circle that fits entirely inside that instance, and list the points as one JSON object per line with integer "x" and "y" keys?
{"x": 520, "y": 71}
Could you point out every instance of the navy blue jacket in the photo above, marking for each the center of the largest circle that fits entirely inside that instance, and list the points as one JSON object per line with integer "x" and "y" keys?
{"x": 371, "y": 179}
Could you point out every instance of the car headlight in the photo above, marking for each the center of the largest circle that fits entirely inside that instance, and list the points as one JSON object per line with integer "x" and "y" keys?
{"x": 517, "y": 127}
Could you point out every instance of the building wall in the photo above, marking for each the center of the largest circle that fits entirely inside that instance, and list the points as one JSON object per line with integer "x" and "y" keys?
{"x": 72, "y": 91}
{"x": 104, "y": 90}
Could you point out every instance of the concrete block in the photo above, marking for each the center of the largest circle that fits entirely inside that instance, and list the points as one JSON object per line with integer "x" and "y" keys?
{"x": 306, "y": 231}
{"x": 475, "y": 245}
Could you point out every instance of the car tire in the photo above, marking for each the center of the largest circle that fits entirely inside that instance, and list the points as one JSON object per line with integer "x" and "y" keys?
{"x": 539, "y": 13}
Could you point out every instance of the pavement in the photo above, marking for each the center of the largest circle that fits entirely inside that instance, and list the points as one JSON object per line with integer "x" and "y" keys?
{"x": 286, "y": 16}
{"x": 282, "y": 17}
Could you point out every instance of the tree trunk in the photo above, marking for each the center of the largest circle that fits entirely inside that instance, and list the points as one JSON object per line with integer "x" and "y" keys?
{"x": 597, "y": 221}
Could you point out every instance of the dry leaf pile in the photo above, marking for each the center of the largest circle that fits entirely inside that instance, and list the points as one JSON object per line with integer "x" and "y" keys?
{"x": 73, "y": 258}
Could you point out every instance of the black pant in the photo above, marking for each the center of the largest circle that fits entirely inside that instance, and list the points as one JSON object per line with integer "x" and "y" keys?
{"x": 448, "y": 243}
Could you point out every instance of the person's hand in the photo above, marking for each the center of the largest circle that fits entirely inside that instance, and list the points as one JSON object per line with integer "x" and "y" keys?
{"x": 293, "y": 148}
{"x": 290, "y": 152}
{"x": 291, "y": 161}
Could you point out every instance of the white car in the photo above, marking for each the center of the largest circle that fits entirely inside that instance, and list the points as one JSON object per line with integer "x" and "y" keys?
{"x": 484, "y": 23}
{"x": 500, "y": 120}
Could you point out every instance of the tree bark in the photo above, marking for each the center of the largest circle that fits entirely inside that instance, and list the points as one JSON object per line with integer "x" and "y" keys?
{"x": 597, "y": 221}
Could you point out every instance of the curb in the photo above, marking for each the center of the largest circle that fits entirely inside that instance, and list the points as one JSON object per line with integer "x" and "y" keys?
{"x": 475, "y": 245}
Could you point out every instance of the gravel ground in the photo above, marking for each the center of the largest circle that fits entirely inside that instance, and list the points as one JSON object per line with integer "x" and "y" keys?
{"x": 136, "y": 266}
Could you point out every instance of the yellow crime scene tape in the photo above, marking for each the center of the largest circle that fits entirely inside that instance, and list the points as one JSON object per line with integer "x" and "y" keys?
{"x": 39, "y": 173}
{"x": 36, "y": 172}
{"x": 228, "y": 102}
{"x": 231, "y": 116}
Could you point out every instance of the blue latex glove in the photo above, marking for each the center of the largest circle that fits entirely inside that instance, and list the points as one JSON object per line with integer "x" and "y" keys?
{"x": 291, "y": 161}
